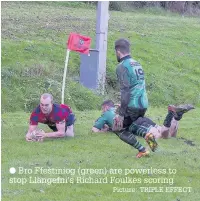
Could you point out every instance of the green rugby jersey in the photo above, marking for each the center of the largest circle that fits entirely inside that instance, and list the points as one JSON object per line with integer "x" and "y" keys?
{"x": 144, "y": 124}
{"x": 132, "y": 85}
{"x": 106, "y": 118}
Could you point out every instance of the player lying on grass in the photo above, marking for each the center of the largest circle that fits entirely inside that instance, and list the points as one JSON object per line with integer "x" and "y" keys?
{"x": 143, "y": 126}
{"x": 105, "y": 122}
{"x": 58, "y": 117}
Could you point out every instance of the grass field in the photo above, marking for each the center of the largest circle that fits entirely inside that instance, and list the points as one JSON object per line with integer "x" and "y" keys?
{"x": 98, "y": 151}
{"x": 34, "y": 45}
{"x": 33, "y": 37}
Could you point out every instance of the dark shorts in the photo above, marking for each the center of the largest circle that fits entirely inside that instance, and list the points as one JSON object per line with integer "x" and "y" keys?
{"x": 132, "y": 114}
{"x": 69, "y": 122}
{"x": 144, "y": 121}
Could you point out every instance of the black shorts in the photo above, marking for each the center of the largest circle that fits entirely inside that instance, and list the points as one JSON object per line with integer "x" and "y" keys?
{"x": 132, "y": 114}
{"x": 70, "y": 121}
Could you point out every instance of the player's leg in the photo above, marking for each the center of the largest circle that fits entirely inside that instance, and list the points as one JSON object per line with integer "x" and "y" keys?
{"x": 179, "y": 110}
{"x": 128, "y": 137}
{"x": 141, "y": 128}
{"x": 70, "y": 131}
{"x": 69, "y": 126}
{"x": 156, "y": 131}
{"x": 53, "y": 127}
{"x": 173, "y": 128}
{"x": 135, "y": 113}
{"x": 134, "y": 117}
{"x": 167, "y": 124}
{"x": 165, "y": 132}
{"x": 175, "y": 113}
{"x": 171, "y": 131}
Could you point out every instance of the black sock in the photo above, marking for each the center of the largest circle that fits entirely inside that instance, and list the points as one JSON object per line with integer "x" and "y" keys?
{"x": 141, "y": 149}
{"x": 178, "y": 116}
{"x": 129, "y": 138}
{"x": 168, "y": 119}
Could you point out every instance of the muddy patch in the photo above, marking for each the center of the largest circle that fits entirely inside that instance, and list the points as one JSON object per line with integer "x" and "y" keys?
{"x": 188, "y": 142}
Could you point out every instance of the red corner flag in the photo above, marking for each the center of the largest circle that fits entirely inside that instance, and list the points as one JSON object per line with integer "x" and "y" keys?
{"x": 79, "y": 43}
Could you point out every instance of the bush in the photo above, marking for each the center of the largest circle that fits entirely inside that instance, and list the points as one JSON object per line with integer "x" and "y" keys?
{"x": 83, "y": 98}
{"x": 23, "y": 93}
{"x": 117, "y": 6}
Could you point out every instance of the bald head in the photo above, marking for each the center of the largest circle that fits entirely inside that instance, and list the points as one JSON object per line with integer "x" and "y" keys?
{"x": 46, "y": 95}
{"x": 46, "y": 103}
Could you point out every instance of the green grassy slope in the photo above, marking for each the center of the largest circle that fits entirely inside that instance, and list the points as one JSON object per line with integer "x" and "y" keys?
{"x": 33, "y": 52}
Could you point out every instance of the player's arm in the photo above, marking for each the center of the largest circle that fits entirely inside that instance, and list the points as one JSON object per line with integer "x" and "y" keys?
{"x": 95, "y": 130}
{"x": 104, "y": 129}
{"x": 123, "y": 78}
{"x": 99, "y": 125}
{"x": 33, "y": 125}
{"x": 57, "y": 134}
{"x": 30, "y": 130}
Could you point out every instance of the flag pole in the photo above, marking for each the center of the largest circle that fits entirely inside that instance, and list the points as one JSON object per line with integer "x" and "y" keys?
{"x": 64, "y": 75}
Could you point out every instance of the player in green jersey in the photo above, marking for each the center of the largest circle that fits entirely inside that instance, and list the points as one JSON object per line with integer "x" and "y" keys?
{"x": 134, "y": 101}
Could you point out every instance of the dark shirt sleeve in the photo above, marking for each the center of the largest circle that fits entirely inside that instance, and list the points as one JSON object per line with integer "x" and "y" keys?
{"x": 71, "y": 119}
{"x": 123, "y": 78}
{"x": 67, "y": 114}
{"x": 34, "y": 118}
